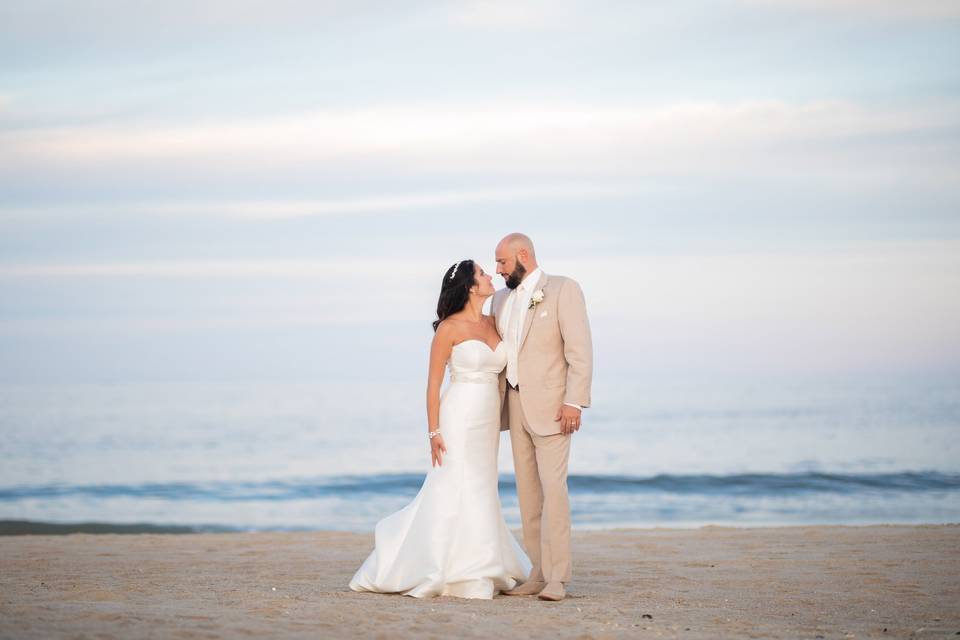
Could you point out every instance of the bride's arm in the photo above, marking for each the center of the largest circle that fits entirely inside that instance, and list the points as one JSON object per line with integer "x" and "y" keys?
{"x": 439, "y": 354}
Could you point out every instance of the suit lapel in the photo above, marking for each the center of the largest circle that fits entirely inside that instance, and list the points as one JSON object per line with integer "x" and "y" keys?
{"x": 541, "y": 283}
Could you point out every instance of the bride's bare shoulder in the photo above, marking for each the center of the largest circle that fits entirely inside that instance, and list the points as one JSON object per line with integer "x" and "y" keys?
{"x": 446, "y": 330}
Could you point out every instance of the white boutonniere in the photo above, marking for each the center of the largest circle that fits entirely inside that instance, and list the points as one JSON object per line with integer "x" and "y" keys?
{"x": 536, "y": 298}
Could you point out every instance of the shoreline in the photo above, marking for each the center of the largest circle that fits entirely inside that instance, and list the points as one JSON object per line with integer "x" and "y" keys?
{"x": 18, "y": 527}
{"x": 834, "y": 581}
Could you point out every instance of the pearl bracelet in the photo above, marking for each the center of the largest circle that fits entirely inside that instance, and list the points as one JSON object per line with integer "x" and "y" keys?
{"x": 433, "y": 434}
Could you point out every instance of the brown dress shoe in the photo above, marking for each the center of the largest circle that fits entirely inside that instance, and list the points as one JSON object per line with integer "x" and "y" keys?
{"x": 554, "y": 592}
{"x": 528, "y": 588}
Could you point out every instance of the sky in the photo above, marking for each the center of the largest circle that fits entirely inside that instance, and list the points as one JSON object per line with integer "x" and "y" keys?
{"x": 222, "y": 190}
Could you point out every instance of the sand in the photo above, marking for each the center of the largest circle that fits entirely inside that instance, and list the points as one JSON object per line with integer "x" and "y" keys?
{"x": 713, "y": 582}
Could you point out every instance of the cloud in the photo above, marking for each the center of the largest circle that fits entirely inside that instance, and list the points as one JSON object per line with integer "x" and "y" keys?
{"x": 129, "y": 23}
{"x": 889, "y": 9}
{"x": 831, "y": 139}
{"x": 207, "y": 269}
{"x": 858, "y": 306}
{"x": 502, "y": 14}
{"x": 571, "y": 14}
{"x": 869, "y": 307}
{"x": 285, "y": 208}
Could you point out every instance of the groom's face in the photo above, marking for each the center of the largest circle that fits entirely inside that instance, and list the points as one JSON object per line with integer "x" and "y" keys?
{"x": 516, "y": 276}
{"x": 511, "y": 269}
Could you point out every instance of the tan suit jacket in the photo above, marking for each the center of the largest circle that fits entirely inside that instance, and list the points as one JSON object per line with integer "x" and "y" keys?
{"x": 555, "y": 359}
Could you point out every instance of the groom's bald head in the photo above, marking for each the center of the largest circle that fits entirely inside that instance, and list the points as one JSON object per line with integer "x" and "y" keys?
{"x": 516, "y": 242}
{"x": 515, "y": 257}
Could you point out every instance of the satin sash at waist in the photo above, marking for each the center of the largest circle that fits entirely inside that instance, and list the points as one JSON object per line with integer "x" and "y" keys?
{"x": 475, "y": 376}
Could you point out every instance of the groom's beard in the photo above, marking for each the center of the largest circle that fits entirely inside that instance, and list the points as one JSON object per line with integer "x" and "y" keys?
{"x": 515, "y": 278}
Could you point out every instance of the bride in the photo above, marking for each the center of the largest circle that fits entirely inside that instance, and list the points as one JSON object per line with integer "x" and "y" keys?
{"x": 451, "y": 539}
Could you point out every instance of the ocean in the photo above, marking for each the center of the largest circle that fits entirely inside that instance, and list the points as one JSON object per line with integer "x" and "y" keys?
{"x": 340, "y": 455}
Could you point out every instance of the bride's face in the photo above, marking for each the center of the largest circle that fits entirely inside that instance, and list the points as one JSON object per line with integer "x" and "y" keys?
{"x": 483, "y": 283}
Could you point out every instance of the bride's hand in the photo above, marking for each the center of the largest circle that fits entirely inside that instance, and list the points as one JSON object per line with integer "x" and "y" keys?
{"x": 436, "y": 449}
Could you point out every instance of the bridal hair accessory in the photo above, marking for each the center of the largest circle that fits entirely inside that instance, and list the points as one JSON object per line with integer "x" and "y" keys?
{"x": 536, "y": 298}
{"x": 455, "y": 267}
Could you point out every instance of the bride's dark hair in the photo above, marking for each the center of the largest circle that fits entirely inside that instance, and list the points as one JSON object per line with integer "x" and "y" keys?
{"x": 454, "y": 290}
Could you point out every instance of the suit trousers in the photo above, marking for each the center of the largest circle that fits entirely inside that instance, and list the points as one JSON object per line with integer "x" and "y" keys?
{"x": 540, "y": 464}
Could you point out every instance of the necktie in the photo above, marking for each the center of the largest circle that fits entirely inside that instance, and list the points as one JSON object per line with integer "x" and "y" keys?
{"x": 513, "y": 339}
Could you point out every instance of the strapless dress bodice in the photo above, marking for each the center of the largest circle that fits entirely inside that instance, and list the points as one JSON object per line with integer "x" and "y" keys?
{"x": 474, "y": 361}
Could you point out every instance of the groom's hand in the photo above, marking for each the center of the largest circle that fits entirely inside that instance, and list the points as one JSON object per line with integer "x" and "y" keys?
{"x": 569, "y": 419}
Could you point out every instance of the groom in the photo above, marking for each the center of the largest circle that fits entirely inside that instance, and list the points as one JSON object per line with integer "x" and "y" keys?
{"x": 543, "y": 321}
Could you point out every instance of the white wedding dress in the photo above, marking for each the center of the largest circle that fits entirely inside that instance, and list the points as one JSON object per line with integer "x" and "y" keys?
{"x": 451, "y": 539}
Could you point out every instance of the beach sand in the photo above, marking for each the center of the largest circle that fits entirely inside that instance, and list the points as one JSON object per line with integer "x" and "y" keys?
{"x": 713, "y": 582}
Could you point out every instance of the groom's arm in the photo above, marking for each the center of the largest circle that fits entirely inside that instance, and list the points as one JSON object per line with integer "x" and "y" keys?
{"x": 577, "y": 343}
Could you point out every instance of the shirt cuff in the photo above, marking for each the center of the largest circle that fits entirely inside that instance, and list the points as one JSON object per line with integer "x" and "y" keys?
{"x": 574, "y": 405}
